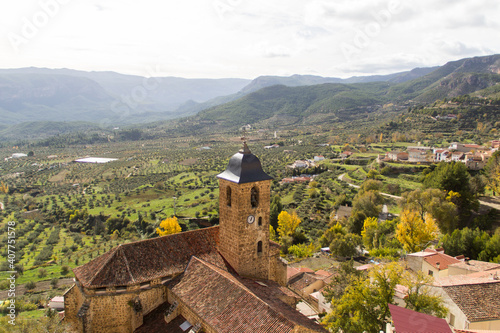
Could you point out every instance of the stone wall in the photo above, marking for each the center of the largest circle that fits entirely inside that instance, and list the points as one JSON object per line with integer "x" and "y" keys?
{"x": 73, "y": 300}
{"x": 277, "y": 269}
{"x": 238, "y": 238}
{"x": 112, "y": 312}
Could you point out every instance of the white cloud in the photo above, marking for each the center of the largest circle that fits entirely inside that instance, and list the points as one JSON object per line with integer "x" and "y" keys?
{"x": 242, "y": 38}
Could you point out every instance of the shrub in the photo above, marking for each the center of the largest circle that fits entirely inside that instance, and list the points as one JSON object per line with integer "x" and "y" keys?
{"x": 30, "y": 285}
{"x": 64, "y": 270}
{"x": 42, "y": 272}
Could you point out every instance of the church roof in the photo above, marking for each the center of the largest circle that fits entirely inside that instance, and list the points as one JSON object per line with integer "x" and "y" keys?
{"x": 142, "y": 261}
{"x": 244, "y": 167}
{"x": 230, "y": 304}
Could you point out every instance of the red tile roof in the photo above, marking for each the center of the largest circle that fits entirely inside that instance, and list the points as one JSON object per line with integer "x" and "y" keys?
{"x": 479, "y": 302}
{"x": 145, "y": 260}
{"x": 443, "y": 259}
{"x": 409, "y": 321}
{"x": 228, "y": 304}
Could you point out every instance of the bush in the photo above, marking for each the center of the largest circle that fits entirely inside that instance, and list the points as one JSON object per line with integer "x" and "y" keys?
{"x": 54, "y": 282}
{"x": 42, "y": 272}
{"x": 64, "y": 270}
{"x": 30, "y": 285}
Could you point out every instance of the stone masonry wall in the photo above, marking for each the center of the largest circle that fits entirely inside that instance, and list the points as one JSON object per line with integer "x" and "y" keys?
{"x": 112, "y": 312}
{"x": 239, "y": 239}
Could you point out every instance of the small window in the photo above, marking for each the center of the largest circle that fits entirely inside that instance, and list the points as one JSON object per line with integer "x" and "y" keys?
{"x": 228, "y": 196}
{"x": 452, "y": 320}
{"x": 254, "y": 197}
{"x": 259, "y": 247}
{"x": 260, "y": 221}
{"x": 431, "y": 273}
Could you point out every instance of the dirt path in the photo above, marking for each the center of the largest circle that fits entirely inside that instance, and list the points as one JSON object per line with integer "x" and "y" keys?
{"x": 493, "y": 202}
{"x": 341, "y": 178}
{"x": 40, "y": 286}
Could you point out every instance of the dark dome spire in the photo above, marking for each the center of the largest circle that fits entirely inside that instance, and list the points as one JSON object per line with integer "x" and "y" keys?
{"x": 244, "y": 167}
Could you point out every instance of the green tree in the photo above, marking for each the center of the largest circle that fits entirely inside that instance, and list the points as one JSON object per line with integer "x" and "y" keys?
{"x": 491, "y": 251}
{"x": 492, "y": 172}
{"x": 469, "y": 242}
{"x": 345, "y": 275}
{"x": 367, "y": 203}
{"x": 275, "y": 210}
{"x": 363, "y": 306}
{"x": 345, "y": 245}
{"x": 454, "y": 177}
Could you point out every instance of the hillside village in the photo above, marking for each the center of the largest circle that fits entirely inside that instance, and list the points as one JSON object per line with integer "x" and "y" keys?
{"x": 156, "y": 285}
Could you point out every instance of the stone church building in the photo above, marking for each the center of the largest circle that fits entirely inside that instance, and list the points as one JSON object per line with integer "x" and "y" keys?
{"x": 227, "y": 278}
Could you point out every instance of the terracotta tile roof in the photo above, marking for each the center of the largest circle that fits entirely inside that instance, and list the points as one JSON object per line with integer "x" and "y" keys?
{"x": 323, "y": 273}
{"x": 228, "y": 304}
{"x": 479, "y": 302}
{"x": 305, "y": 269}
{"x": 145, "y": 260}
{"x": 476, "y": 265}
{"x": 443, "y": 259}
{"x": 304, "y": 280}
{"x": 409, "y": 321}
{"x": 291, "y": 272}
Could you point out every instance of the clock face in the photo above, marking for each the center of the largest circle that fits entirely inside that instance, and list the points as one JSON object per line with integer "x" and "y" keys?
{"x": 250, "y": 219}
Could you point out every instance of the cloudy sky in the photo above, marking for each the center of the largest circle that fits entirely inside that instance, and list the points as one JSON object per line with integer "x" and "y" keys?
{"x": 245, "y": 38}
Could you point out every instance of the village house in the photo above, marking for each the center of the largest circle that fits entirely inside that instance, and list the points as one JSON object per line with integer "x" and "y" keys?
{"x": 346, "y": 154}
{"x": 397, "y": 156}
{"x": 227, "y": 278}
{"x": 472, "y": 300}
{"x": 431, "y": 262}
{"x": 308, "y": 285}
{"x": 416, "y": 155}
{"x": 464, "y": 147}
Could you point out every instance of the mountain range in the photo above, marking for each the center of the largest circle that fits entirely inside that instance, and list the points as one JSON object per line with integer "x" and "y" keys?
{"x": 112, "y": 99}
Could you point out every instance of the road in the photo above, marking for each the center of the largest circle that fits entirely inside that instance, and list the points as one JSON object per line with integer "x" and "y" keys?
{"x": 341, "y": 178}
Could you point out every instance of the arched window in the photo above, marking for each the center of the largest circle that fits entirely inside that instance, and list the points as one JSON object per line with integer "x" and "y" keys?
{"x": 260, "y": 221}
{"x": 254, "y": 197}
{"x": 259, "y": 247}
{"x": 228, "y": 196}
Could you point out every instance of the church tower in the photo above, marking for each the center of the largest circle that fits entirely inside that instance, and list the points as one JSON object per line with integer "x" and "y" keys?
{"x": 244, "y": 205}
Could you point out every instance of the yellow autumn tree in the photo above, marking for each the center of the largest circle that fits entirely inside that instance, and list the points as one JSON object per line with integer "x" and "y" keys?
{"x": 169, "y": 226}
{"x": 413, "y": 232}
{"x": 370, "y": 227}
{"x": 4, "y": 188}
{"x": 287, "y": 224}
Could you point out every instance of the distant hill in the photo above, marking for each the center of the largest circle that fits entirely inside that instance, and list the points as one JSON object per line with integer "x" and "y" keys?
{"x": 340, "y": 102}
{"x": 29, "y": 94}
{"x": 107, "y": 98}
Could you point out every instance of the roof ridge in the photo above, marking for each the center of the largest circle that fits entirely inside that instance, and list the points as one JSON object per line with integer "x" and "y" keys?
{"x": 126, "y": 264}
{"x": 156, "y": 239}
{"x": 112, "y": 253}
